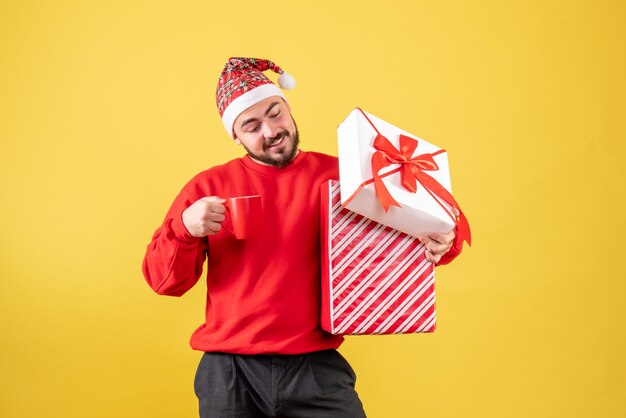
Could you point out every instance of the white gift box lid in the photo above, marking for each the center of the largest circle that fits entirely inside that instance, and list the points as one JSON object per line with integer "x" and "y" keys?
{"x": 419, "y": 213}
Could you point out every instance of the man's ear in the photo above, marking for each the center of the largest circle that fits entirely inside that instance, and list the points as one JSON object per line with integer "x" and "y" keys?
{"x": 237, "y": 141}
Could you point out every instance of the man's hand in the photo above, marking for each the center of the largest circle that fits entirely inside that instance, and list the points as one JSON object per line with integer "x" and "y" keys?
{"x": 205, "y": 216}
{"x": 437, "y": 245}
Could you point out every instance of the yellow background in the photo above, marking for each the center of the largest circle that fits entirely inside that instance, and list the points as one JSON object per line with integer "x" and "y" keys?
{"x": 107, "y": 109}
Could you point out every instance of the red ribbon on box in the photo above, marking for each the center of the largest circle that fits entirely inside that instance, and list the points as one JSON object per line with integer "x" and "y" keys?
{"x": 412, "y": 171}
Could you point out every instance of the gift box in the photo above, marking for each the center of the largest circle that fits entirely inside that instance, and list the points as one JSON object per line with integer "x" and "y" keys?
{"x": 375, "y": 279}
{"x": 396, "y": 178}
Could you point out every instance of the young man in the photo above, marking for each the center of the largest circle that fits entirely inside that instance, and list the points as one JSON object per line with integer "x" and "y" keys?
{"x": 265, "y": 353}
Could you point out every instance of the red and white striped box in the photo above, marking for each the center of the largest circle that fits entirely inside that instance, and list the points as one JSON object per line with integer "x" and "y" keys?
{"x": 375, "y": 279}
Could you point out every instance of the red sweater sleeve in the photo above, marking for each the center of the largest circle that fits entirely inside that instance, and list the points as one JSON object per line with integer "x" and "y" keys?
{"x": 174, "y": 258}
{"x": 449, "y": 256}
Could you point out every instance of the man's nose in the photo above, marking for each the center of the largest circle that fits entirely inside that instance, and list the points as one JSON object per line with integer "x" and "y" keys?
{"x": 270, "y": 130}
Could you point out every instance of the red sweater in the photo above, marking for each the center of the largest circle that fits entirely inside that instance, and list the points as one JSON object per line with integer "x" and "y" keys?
{"x": 263, "y": 293}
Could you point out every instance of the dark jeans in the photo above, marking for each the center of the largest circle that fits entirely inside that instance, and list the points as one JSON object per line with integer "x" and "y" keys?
{"x": 319, "y": 384}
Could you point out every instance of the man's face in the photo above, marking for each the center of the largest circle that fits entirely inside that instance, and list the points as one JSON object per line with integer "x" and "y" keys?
{"x": 268, "y": 132}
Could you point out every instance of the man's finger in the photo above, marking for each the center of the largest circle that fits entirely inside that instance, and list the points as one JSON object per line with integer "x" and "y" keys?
{"x": 442, "y": 238}
{"x": 433, "y": 258}
{"x": 437, "y": 237}
{"x": 438, "y": 249}
{"x": 214, "y": 227}
{"x": 219, "y": 209}
{"x": 211, "y": 200}
{"x": 217, "y": 217}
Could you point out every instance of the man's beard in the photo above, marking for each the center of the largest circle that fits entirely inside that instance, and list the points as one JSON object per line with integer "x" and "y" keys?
{"x": 286, "y": 156}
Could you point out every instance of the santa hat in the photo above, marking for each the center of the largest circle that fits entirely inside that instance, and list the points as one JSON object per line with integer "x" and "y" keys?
{"x": 243, "y": 84}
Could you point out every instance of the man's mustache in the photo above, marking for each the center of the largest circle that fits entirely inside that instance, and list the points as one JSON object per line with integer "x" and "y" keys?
{"x": 274, "y": 139}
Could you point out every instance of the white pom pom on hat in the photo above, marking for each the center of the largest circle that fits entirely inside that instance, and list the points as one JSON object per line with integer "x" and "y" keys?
{"x": 286, "y": 81}
{"x": 243, "y": 84}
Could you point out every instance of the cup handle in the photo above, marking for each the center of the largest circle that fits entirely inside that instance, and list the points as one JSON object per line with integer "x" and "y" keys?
{"x": 227, "y": 206}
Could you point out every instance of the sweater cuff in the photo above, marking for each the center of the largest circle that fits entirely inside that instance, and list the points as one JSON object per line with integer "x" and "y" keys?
{"x": 452, "y": 253}
{"x": 180, "y": 232}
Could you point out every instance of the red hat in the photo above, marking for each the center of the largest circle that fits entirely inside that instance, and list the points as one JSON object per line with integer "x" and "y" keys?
{"x": 242, "y": 84}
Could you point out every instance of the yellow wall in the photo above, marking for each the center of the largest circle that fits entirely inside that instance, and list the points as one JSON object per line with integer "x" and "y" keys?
{"x": 107, "y": 109}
